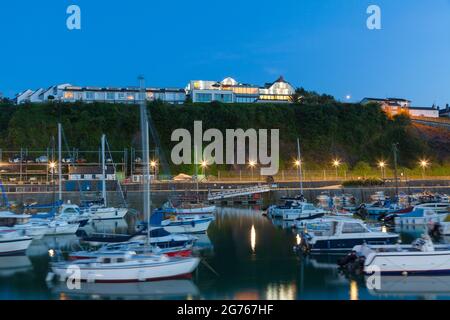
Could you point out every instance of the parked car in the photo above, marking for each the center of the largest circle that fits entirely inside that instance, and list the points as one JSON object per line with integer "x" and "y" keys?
{"x": 14, "y": 159}
{"x": 42, "y": 159}
{"x": 67, "y": 160}
{"x": 27, "y": 159}
{"x": 81, "y": 160}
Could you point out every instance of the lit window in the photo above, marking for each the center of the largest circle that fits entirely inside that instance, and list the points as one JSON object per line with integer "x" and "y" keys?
{"x": 68, "y": 95}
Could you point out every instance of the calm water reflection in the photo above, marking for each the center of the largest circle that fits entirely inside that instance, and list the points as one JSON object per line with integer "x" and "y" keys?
{"x": 245, "y": 256}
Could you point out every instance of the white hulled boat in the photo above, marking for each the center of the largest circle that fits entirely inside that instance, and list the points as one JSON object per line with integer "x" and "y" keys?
{"x": 342, "y": 235}
{"x": 420, "y": 216}
{"x": 20, "y": 222}
{"x": 422, "y": 257}
{"x": 128, "y": 267}
{"x": 13, "y": 242}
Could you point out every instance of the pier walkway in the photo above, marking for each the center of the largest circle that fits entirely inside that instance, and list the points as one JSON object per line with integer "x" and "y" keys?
{"x": 233, "y": 193}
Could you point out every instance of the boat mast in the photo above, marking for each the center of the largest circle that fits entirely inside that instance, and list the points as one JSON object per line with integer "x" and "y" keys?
{"x": 395, "y": 150}
{"x": 103, "y": 171}
{"x": 60, "y": 161}
{"x": 146, "y": 155}
{"x": 300, "y": 164}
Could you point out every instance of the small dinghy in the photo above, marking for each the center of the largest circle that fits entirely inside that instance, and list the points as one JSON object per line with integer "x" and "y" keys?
{"x": 421, "y": 257}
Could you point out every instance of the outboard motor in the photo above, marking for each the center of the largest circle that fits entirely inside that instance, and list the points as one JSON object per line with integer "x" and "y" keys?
{"x": 435, "y": 231}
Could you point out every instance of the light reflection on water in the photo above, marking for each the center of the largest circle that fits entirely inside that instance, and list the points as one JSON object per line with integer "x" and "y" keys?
{"x": 251, "y": 258}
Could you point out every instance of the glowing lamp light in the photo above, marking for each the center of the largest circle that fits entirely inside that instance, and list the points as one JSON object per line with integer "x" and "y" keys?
{"x": 336, "y": 163}
{"x": 252, "y": 164}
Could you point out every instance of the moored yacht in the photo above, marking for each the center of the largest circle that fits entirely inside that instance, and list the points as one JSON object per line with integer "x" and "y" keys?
{"x": 342, "y": 235}
{"x": 298, "y": 211}
{"x": 13, "y": 242}
{"x": 421, "y": 257}
{"x": 128, "y": 267}
{"x": 420, "y": 216}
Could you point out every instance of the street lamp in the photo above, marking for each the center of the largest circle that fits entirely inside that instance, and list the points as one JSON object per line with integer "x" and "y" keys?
{"x": 204, "y": 166}
{"x": 382, "y": 166}
{"x": 252, "y": 165}
{"x": 154, "y": 165}
{"x": 298, "y": 165}
{"x": 424, "y": 164}
{"x": 336, "y": 165}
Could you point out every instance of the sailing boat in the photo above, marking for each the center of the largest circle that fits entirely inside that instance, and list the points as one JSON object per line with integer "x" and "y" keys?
{"x": 102, "y": 211}
{"x": 297, "y": 208}
{"x": 127, "y": 265}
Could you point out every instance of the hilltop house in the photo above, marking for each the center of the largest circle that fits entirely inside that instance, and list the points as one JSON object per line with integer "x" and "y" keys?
{"x": 231, "y": 91}
{"x": 393, "y": 106}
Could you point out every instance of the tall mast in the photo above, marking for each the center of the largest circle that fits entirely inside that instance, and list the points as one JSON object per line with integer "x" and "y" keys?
{"x": 103, "y": 171}
{"x": 395, "y": 150}
{"x": 145, "y": 155}
{"x": 300, "y": 166}
{"x": 60, "y": 161}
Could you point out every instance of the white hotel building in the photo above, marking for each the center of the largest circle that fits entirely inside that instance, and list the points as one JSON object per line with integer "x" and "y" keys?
{"x": 231, "y": 91}
{"x": 199, "y": 91}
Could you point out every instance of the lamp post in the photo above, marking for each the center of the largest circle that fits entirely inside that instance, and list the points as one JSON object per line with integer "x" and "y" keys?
{"x": 204, "y": 166}
{"x": 424, "y": 165}
{"x": 382, "y": 166}
{"x": 154, "y": 166}
{"x": 336, "y": 165}
{"x": 252, "y": 165}
{"x": 52, "y": 166}
{"x": 298, "y": 165}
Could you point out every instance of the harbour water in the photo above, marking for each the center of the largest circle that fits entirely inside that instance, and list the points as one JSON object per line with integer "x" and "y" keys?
{"x": 244, "y": 256}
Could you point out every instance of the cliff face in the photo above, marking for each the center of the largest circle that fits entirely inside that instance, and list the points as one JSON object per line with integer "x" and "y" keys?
{"x": 437, "y": 139}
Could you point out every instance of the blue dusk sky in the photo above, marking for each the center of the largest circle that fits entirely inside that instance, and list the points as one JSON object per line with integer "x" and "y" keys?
{"x": 321, "y": 45}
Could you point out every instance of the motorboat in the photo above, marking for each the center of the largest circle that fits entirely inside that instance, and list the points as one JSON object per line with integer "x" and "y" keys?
{"x": 381, "y": 208}
{"x": 422, "y": 257}
{"x": 20, "y": 222}
{"x": 298, "y": 211}
{"x": 420, "y": 216}
{"x": 98, "y": 212}
{"x": 127, "y": 267}
{"x": 438, "y": 207}
{"x": 13, "y": 242}
{"x": 342, "y": 235}
{"x": 181, "y": 223}
{"x": 56, "y": 227}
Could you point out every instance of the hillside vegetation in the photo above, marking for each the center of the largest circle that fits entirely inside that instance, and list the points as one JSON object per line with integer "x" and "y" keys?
{"x": 351, "y": 132}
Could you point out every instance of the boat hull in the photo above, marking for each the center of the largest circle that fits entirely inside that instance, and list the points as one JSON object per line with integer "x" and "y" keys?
{"x": 347, "y": 244}
{"x": 188, "y": 227}
{"x": 108, "y": 213}
{"x": 62, "y": 229}
{"x": 138, "y": 273}
{"x": 404, "y": 220}
{"x": 412, "y": 263}
{"x": 202, "y": 210}
{"x": 14, "y": 246}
